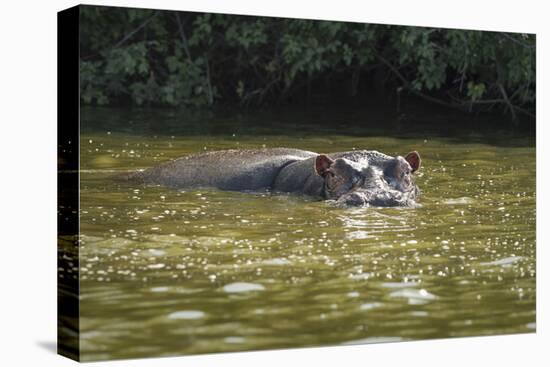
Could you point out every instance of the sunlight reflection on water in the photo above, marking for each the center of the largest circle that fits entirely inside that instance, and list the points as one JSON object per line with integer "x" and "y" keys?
{"x": 212, "y": 271}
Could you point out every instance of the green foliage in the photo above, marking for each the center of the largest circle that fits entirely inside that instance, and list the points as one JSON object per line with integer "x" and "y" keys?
{"x": 475, "y": 91}
{"x": 147, "y": 57}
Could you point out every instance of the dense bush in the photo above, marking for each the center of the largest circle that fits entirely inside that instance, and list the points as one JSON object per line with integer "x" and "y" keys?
{"x": 148, "y": 57}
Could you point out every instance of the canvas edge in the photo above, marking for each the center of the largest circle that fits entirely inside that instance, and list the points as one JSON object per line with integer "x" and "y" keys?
{"x": 68, "y": 155}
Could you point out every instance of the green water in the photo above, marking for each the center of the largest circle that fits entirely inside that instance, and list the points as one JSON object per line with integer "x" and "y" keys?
{"x": 166, "y": 272}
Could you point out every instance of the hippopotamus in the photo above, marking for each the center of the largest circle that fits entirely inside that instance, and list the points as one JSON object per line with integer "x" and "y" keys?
{"x": 354, "y": 178}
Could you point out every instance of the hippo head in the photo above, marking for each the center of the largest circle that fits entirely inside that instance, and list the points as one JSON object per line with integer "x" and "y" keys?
{"x": 358, "y": 184}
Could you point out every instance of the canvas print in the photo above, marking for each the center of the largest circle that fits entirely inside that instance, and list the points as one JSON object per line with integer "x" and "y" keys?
{"x": 234, "y": 183}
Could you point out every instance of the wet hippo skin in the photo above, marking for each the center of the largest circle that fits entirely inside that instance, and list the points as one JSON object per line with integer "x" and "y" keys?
{"x": 353, "y": 178}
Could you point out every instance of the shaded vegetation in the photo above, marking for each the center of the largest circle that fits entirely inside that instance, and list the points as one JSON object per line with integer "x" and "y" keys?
{"x": 149, "y": 57}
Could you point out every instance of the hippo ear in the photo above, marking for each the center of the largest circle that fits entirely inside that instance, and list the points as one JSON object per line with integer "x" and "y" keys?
{"x": 413, "y": 158}
{"x": 322, "y": 164}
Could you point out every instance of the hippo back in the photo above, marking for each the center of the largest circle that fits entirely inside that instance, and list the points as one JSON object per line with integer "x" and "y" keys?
{"x": 238, "y": 170}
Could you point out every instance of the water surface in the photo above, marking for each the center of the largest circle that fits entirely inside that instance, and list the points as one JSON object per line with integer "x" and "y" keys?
{"x": 167, "y": 272}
